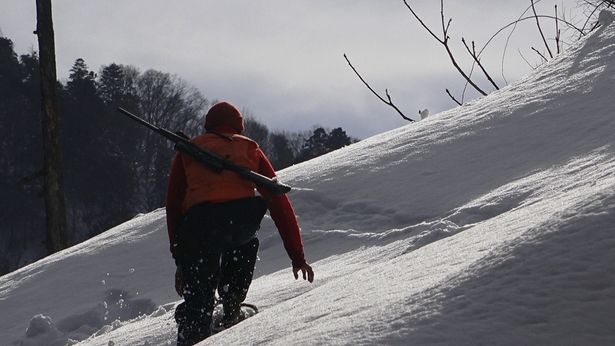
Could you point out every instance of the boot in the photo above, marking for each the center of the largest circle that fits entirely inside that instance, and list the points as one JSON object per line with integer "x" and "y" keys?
{"x": 232, "y": 314}
{"x": 191, "y": 328}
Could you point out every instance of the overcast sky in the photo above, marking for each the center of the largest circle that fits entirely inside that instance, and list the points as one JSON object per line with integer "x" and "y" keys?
{"x": 283, "y": 60}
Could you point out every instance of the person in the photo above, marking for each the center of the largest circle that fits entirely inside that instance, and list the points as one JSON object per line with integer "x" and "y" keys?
{"x": 212, "y": 218}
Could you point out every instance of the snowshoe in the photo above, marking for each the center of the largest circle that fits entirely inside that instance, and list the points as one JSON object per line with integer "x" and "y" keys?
{"x": 221, "y": 322}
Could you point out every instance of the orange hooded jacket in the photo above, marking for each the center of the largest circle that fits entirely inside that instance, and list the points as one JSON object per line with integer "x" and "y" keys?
{"x": 191, "y": 183}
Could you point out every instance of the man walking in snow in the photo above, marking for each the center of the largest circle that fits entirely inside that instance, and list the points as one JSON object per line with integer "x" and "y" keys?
{"x": 212, "y": 219}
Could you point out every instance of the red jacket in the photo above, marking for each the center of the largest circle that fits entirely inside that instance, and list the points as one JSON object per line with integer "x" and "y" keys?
{"x": 191, "y": 183}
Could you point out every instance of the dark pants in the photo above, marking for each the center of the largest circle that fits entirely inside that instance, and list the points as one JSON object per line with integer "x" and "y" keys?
{"x": 230, "y": 272}
{"x": 207, "y": 266}
{"x": 217, "y": 250}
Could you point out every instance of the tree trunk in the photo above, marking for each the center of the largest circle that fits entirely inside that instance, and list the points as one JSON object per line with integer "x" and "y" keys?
{"x": 54, "y": 193}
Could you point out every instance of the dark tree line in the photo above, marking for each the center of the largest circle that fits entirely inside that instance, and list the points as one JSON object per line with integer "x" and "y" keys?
{"x": 285, "y": 149}
{"x": 22, "y": 210}
{"x": 113, "y": 169}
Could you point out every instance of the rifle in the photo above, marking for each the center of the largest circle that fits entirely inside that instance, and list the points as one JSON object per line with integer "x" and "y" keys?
{"x": 212, "y": 160}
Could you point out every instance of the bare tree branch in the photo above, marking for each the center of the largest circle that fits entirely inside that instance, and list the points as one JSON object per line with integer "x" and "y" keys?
{"x": 388, "y": 102}
{"x": 444, "y": 42}
{"x": 540, "y": 30}
{"x": 473, "y": 54}
{"x": 539, "y": 53}
{"x": 514, "y": 23}
{"x": 453, "y": 97}
{"x": 519, "y": 20}
{"x": 508, "y": 41}
{"x": 524, "y": 59}
{"x": 557, "y": 31}
{"x": 467, "y": 78}
{"x": 448, "y": 25}
{"x": 608, "y": 3}
{"x": 422, "y": 23}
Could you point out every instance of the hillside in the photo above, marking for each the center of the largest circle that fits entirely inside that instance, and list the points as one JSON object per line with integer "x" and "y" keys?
{"x": 492, "y": 223}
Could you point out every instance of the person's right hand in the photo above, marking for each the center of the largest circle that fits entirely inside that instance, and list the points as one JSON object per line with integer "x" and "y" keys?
{"x": 306, "y": 269}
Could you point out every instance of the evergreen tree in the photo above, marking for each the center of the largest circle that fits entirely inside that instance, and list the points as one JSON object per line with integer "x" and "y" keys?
{"x": 119, "y": 139}
{"x": 116, "y": 86}
{"x": 337, "y": 139}
{"x": 21, "y": 205}
{"x": 315, "y": 145}
{"x": 81, "y": 81}
{"x": 9, "y": 66}
{"x": 111, "y": 86}
{"x": 321, "y": 142}
{"x": 86, "y": 169}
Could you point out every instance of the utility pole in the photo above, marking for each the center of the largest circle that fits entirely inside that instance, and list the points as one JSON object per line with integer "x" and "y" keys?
{"x": 55, "y": 207}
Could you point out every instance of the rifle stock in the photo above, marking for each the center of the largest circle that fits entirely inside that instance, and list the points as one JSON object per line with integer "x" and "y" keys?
{"x": 211, "y": 160}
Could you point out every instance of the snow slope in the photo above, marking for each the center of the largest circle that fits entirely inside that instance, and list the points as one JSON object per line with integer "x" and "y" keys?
{"x": 492, "y": 223}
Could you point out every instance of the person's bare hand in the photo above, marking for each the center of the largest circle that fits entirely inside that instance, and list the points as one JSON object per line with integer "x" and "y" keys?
{"x": 306, "y": 270}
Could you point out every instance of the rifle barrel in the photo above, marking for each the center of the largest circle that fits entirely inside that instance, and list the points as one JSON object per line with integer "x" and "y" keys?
{"x": 210, "y": 159}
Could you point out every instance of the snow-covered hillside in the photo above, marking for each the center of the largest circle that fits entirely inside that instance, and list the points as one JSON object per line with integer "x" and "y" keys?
{"x": 490, "y": 224}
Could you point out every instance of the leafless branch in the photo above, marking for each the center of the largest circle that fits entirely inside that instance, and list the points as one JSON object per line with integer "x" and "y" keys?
{"x": 557, "y": 31}
{"x": 388, "y": 101}
{"x": 606, "y": 3}
{"x": 448, "y": 25}
{"x": 423, "y": 23}
{"x": 540, "y": 30}
{"x": 539, "y": 53}
{"x": 444, "y": 42}
{"x": 473, "y": 54}
{"x": 453, "y": 97}
{"x": 524, "y": 59}
{"x": 514, "y": 23}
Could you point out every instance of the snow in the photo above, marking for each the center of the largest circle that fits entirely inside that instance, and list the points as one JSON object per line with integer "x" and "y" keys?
{"x": 489, "y": 224}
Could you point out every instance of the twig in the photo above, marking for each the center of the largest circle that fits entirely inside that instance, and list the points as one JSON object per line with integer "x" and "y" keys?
{"x": 442, "y": 19}
{"x": 609, "y": 3}
{"x": 514, "y": 25}
{"x": 389, "y": 102}
{"x": 453, "y": 97}
{"x": 508, "y": 41}
{"x": 524, "y": 59}
{"x": 423, "y": 24}
{"x": 540, "y": 30}
{"x": 444, "y": 42}
{"x": 521, "y": 20}
{"x": 473, "y": 54}
{"x": 537, "y": 52}
{"x": 557, "y": 31}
